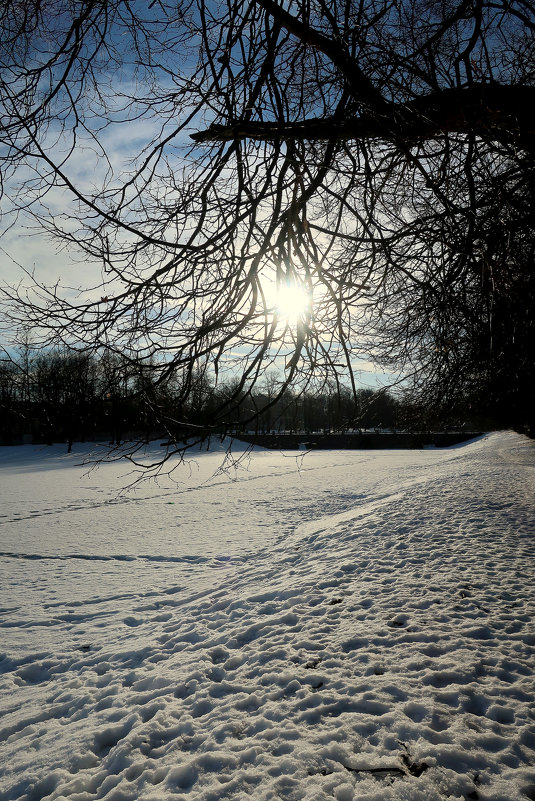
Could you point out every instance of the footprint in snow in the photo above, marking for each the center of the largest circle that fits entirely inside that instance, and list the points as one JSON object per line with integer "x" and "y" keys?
{"x": 398, "y": 621}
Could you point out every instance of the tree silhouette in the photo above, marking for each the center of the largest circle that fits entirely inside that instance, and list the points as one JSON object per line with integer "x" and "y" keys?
{"x": 378, "y": 155}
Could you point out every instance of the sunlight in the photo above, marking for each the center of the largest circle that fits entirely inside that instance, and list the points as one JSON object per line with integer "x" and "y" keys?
{"x": 291, "y": 302}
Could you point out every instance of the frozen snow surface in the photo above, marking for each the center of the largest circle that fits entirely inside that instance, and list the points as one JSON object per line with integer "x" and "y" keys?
{"x": 340, "y": 625}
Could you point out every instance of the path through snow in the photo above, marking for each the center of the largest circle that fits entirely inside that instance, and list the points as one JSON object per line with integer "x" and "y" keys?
{"x": 355, "y": 626}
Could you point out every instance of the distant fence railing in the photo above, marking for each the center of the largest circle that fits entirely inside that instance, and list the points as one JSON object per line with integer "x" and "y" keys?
{"x": 356, "y": 441}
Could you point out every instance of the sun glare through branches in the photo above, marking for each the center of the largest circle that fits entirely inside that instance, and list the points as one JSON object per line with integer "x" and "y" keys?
{"x": 289, "y": 301}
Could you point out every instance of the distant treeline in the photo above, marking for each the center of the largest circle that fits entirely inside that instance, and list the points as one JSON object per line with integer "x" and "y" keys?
{"x": 66, "y": 396}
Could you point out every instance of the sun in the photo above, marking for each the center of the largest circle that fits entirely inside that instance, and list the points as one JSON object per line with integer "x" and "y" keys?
{"x": 291, "y": 302}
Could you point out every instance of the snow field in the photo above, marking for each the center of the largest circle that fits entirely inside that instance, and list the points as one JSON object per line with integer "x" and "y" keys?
{"x": 350, "y": 626}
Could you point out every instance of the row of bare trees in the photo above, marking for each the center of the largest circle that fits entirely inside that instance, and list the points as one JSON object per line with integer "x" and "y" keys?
{"x": 65, "y": 396}
{"x": 378, "y": 154}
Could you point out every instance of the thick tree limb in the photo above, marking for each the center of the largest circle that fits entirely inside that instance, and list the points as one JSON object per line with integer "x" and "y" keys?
{"x": 486, "y": 109}
{"x": 361, "y": 87}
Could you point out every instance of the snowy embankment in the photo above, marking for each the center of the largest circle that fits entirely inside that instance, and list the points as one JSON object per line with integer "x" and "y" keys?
{"x": 354, "y": 625}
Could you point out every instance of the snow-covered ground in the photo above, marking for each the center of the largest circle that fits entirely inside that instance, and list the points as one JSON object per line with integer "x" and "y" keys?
{"x": 347, "y": 625}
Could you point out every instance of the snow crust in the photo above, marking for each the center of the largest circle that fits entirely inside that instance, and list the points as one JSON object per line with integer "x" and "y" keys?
{"x": 338, "y": 625}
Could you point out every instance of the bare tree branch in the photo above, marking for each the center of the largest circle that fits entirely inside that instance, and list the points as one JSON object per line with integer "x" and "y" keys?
{"x": 487, "y": 110}
{"x": 207, "y": 158}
